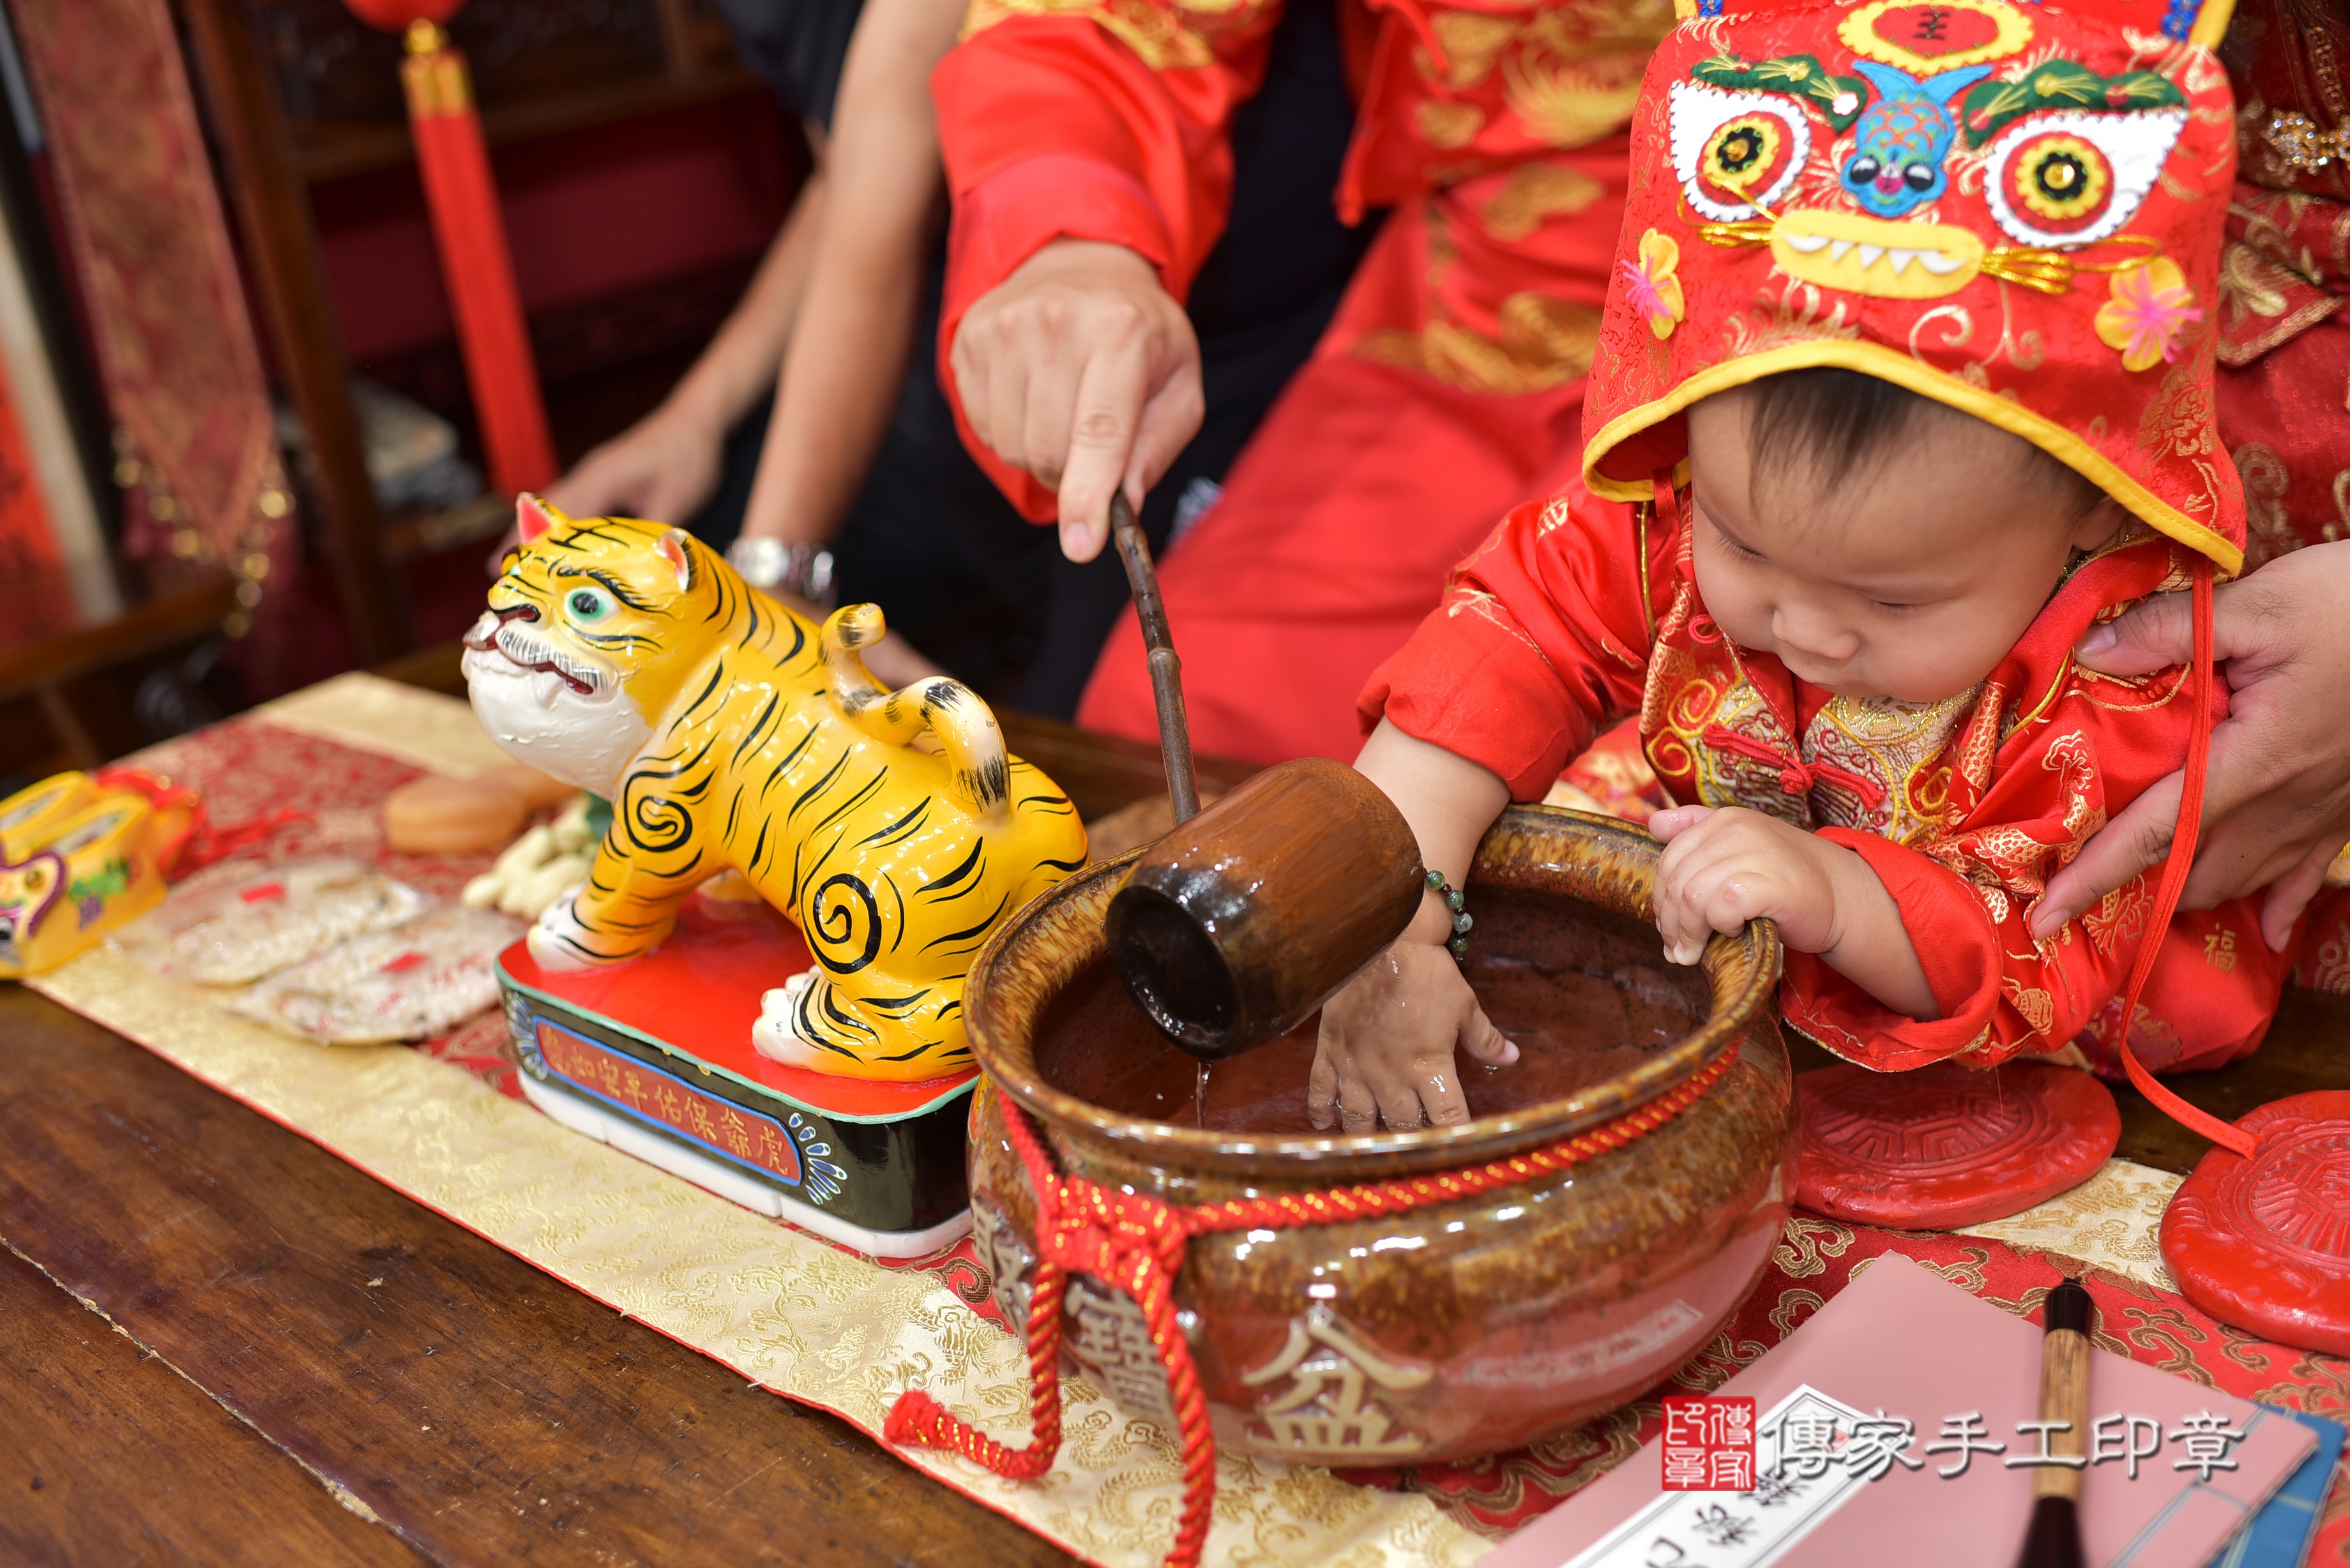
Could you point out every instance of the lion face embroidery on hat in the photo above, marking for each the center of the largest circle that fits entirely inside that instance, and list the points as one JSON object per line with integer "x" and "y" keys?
{"x": 2059, "y": 155}
{"x": 2011, "y": 208}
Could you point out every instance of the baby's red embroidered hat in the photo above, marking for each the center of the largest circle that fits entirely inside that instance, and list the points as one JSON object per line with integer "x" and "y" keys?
{"x": 2012, "y": 208}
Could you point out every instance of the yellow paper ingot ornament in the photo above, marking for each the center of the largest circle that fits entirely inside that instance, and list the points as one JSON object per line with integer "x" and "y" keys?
{"x": 78, "y": 859}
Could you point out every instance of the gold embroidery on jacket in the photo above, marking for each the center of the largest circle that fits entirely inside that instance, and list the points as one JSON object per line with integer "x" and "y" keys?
{"x": 1872, "y": 765}
{"x": 1570, "y": 74}
{"x": 1536, "y": 191}
{"x": 1543, "y": 342}
{"x": 1163, "y": 36}
{"x": 1447, "y": 126}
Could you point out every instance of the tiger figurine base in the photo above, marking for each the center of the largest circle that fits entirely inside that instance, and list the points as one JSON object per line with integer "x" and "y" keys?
{"x": 627, "y": 659}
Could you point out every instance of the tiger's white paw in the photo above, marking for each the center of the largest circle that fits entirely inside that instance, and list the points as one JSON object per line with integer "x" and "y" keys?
{"x": 776, "y": 1035}
{"x": 558, "y": 941}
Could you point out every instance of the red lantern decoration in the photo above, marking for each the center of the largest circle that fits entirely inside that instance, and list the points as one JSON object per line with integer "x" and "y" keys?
{"x": 471, "y": 235}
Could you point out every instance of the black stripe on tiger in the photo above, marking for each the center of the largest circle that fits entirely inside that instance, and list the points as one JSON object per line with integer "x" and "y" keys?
{"x": 833, "y": 1011}
{"x": 656, "y": 823}
{"x": 978, "y": 931}
{"x": 834, "y": 925}
{"x": 807, "y": 1031}
{"x": 892, "y": 832}
{"x": 969, "y": 864}
{"x": 819, "y": 787}
{"x": 894, "y": 1006}
{"x": 717, "y": 675}
{"x": 880, "y": 777}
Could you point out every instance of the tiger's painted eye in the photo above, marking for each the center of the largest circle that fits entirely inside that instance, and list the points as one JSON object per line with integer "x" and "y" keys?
{"x": 1861, "y": 170}
{"x": 1736, "y": 153}
{"x": 1742, "y": 153}
{"x": 2067, "y": 180}
{"x": 2061, "y": 178}
{"x": 587, "y": 606}
{"x": 1919, "y": 176}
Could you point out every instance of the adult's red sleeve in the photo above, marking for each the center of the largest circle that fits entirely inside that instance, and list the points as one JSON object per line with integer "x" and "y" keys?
{"x": 1541, "y": 638}
{"x": 1109, "y": 123}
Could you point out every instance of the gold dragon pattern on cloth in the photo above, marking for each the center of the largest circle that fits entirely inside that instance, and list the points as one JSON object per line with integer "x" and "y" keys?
{"x": 625, "y": 658}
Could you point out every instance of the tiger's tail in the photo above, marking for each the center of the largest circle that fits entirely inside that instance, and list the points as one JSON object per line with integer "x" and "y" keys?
{"x": 965, "y": 727}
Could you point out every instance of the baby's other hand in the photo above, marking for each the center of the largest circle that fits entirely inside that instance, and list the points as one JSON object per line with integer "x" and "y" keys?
{"x": 1723, "y": 868}
{"x": 1388, "y": 1039}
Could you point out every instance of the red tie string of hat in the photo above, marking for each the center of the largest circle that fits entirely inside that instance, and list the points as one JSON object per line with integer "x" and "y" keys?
{"x": 1136, "y": 1243}
{"x": 2174, "y": 877}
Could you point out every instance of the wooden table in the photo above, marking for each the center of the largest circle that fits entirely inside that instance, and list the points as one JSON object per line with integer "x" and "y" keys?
{"x": 220, "y": 1344}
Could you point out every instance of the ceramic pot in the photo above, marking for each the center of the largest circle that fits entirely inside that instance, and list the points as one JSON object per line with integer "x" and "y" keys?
{"x": 1448, "y": 1331}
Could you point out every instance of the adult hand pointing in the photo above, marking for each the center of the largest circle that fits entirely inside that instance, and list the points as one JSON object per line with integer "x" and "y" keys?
{"x": 2276, "y": 799}
{"x": 1080, "y": 368}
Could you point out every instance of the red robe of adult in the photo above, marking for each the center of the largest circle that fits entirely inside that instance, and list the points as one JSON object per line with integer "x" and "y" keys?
{"x": 1448, "y": 385}
{"x": 1963, "y": 808}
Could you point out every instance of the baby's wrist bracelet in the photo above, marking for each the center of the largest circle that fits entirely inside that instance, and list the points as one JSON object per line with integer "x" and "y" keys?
{"x": 1456, "y": 941}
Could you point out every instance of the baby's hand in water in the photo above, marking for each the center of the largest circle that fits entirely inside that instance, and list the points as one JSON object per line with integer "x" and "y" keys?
{"x": 1723, "y": 868}
{"x": 1388, "y": 1039}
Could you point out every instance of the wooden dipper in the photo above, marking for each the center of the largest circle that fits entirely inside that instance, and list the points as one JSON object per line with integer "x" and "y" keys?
{"x": 1232, "y": 929}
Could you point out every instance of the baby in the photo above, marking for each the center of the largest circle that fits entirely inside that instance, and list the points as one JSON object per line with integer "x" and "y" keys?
{"x": 1835, "y": 546}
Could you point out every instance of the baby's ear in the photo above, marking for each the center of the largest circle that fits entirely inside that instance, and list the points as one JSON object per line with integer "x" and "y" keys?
{"x": 673, "y": 548}
{"x": 2101, "y": 524}
{"x": 534, "y": 518}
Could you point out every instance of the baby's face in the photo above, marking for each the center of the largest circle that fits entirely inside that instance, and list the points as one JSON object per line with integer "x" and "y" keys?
{"x": 1909, "y": 579}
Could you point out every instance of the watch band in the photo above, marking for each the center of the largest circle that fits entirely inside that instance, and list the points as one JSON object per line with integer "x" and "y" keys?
{"x": 770, "y": 564}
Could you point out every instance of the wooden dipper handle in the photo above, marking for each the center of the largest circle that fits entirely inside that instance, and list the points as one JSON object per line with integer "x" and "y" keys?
{"x": 1166, "y": 669}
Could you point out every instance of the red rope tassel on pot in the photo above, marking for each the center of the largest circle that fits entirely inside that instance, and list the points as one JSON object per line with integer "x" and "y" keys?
{"x": 1136, "y": 1243}
{"x": 471, "y": 234}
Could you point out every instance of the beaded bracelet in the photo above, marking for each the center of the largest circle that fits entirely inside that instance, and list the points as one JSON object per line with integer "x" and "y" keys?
{"x": 1458, "y": 943}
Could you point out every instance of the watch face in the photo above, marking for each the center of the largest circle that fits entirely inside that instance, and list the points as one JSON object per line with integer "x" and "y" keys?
{"x": 762, "y": 562}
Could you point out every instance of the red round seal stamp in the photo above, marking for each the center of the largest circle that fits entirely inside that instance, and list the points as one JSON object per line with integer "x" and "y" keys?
{"x": 1941, "y": 1147}
{"x": 2263, "y": 1242}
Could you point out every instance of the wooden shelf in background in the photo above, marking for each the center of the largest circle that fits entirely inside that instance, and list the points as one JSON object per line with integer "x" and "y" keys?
{"x": 326, "y": 151}
{"x": 478, "y": 520}
{"x": 164, "y": 604}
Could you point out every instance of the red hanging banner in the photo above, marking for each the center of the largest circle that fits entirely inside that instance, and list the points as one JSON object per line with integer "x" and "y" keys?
{"x": 471, "y": 235}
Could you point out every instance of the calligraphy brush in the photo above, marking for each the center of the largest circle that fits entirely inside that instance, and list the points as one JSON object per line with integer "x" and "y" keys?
{"x": 2054, "y": 1540}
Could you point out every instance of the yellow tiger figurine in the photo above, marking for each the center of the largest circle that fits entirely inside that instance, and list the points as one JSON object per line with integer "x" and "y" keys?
{"x": 627, "y": 659}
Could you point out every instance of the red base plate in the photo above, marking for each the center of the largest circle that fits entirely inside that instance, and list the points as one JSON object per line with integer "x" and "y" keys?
{"x": 2264, "y": 1243}
{"x": 698, "y": 994}
{"x": 1946, "y": 1146}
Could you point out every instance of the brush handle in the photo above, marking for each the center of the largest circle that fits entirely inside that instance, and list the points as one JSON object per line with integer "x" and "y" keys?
{"x": 2054, "y": 1540}
{"x": 2064, "y": 1396}
{"x": 2064, "y": 1387}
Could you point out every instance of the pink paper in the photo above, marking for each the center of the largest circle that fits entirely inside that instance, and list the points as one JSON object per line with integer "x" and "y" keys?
{"x": 1901, "y": 1339}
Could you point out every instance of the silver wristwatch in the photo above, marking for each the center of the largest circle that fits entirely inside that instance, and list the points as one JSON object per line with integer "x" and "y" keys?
{"x": 770, "y": 564}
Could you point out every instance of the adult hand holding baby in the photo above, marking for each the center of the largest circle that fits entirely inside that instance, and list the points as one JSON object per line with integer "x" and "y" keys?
{"x": 2276, "y": 799}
